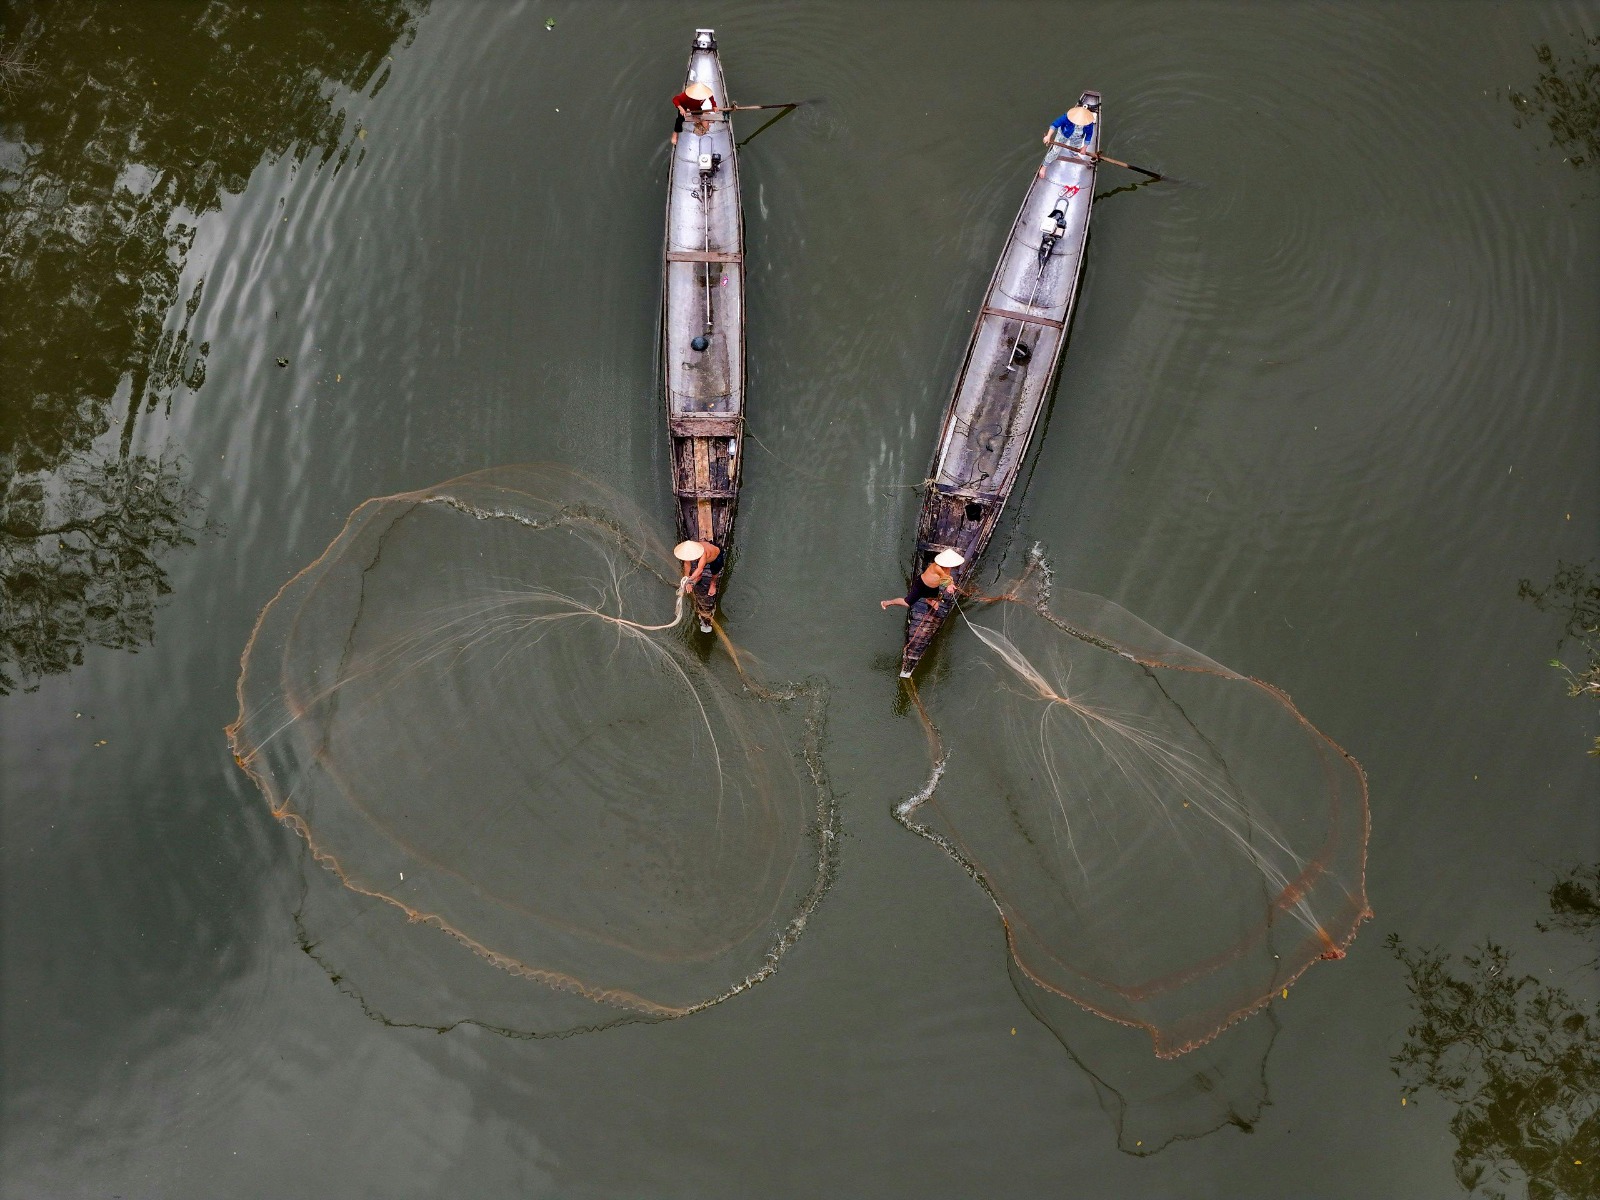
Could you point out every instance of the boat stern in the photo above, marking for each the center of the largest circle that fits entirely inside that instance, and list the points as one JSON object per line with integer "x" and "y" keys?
{"x": 705, "y": 606}
{"x": 922, "y": 626}
{"x": 1091, "y": 101}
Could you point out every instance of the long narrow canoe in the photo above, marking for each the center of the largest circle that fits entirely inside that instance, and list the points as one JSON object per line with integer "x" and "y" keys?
{"x": 1006, "y": 376}
{"x": 702, "y": 305}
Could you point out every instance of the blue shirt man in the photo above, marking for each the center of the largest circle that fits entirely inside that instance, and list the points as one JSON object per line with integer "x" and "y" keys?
{"x": 1076, "y": 126}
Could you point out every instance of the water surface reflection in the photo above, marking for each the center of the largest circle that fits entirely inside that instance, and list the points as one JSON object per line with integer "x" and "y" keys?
{"x": 124, "y": 125}
{"x": 1516, "y": 1053}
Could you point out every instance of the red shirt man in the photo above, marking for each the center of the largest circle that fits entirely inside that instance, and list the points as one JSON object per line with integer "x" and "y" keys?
{"x": 693, "y": 102}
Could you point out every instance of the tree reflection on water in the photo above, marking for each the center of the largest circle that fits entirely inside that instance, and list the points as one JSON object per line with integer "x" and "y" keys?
{"x": 1567, "y": 97}
{"x": 80, "y": 566}
{"x": 1517, "y": 1055}
{"x": 128, "y": 123}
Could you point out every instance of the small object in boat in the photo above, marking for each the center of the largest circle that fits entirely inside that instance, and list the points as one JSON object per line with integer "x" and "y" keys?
{"x": 699, "y": 342}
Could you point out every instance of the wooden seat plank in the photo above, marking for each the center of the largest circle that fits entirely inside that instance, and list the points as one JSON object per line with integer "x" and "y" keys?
{"x": 705, "y": 425}
{"x": 704, "y": 256}
{"x": 1011, "y": 315}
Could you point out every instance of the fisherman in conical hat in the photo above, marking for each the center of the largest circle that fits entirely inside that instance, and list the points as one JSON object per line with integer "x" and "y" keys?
{"x": 695, "y": 102}
{"x": 1076, "y": 126}
{"x": 1073, "y": 130}
{"x": 934, "y": 583}
{"x": 699, "y": 558}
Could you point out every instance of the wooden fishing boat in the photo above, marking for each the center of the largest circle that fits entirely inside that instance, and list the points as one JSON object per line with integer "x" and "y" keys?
{"x": 702, "y": 324}
{"x": 1006, "y": 375}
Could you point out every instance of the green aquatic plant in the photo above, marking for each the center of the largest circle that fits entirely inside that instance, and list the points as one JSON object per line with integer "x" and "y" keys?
{"x": 1573, "y": 594}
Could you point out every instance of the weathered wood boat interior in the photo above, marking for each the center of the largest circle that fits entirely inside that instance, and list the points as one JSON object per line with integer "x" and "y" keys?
{"x": 702, "y": 320}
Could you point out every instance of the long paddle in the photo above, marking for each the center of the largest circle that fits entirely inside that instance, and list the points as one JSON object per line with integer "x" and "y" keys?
{"x": 1098, "y": 157}
{"x": 1142, "y": 170}
{"x": 786, "y": 109}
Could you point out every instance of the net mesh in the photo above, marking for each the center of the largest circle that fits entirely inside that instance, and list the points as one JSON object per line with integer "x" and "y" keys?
{"x": 1154, "y": 1102}
{"x": 479, "y": 712}
{"x": 1170, "y": 843}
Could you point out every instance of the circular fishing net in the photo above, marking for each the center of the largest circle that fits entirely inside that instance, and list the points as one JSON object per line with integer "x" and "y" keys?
{"x": 545, "y": 807}
{"x": 1170, "y": 843}
{"x": 1154, "y": 1102}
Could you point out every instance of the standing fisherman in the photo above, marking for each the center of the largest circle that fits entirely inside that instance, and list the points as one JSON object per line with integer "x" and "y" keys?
{"x": 1076, "y": 130}
{"x": 695, "y": 103}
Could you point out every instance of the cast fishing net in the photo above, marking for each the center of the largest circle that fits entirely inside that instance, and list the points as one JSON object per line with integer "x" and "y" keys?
{"x": 544, "y": 807}
{"x": 1154, "y": 1102}
{"x": 1170, "y": 843}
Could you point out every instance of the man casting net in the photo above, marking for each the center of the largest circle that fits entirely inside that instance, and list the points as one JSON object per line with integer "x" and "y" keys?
{"x": 477, "y": 710}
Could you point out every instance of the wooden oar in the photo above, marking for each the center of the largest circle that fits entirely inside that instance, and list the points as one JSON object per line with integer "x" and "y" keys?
{"x": 1098, "y": 157}
{"x": 786, "y": 109}
{"x": 1130, "y": 166}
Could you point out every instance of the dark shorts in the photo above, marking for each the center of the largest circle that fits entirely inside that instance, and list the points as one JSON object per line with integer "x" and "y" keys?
{"x": 677, "y": 125}
{"x": 714, "y": 567}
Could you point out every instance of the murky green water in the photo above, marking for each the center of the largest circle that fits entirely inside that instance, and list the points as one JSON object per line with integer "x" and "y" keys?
{"x": 1327, "y": 400}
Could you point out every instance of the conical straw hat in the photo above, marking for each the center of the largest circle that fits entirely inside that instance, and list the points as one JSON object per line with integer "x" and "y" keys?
{"x": 697, "y": 91}
{"x": 948, "y": 558}
{"x": 1078, "y": 115}
{"x": 688, "y": 551}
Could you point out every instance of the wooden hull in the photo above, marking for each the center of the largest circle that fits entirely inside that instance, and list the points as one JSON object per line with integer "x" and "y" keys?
{"x": 703, "y": 296}
{"x": 1005, "y": 379}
